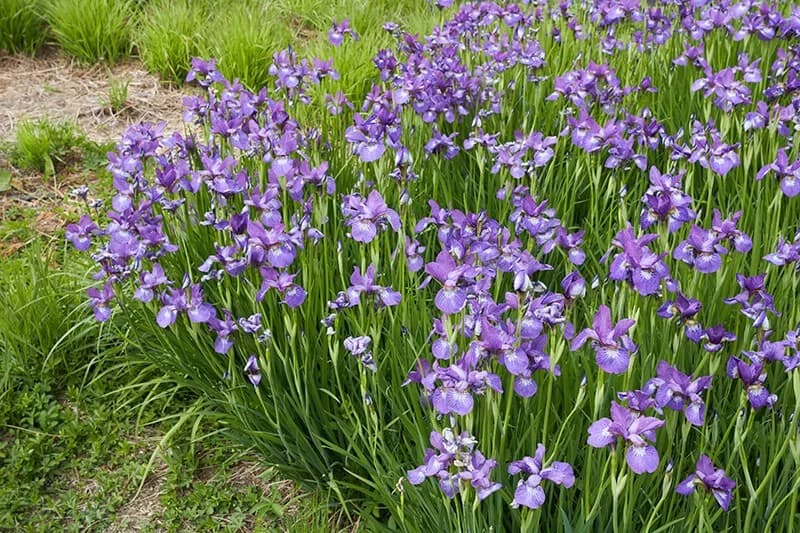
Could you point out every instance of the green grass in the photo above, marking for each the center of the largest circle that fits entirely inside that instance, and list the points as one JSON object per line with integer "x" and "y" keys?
{"x": 242, "y": 36}
{"x": 171, "y": 33}
{"x": 44, "y": 146}
{"x": 92, "y": 31}
{"x": 22, "y": 27}
{"x": 86, "y": 432}
{"x": 117, "y": 97}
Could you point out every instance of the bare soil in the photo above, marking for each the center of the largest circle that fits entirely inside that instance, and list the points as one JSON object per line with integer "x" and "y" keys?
{"x": 52, "y": 86}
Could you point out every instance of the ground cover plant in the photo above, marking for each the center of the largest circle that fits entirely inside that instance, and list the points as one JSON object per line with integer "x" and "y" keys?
{"x": 544, "y": 257}
{"x": 88, "y": 439}
{"x": 43, "y": 145}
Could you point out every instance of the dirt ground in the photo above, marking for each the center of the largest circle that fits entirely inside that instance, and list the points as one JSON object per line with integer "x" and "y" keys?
{"x": 54, "y": 87}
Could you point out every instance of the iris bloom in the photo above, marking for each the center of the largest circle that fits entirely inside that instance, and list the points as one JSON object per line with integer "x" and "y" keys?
{"x": 634, "y": 430}
{"x": 610, "y": 342}
{"x": 711, "y": 480}
{"x": 529, "y": 491}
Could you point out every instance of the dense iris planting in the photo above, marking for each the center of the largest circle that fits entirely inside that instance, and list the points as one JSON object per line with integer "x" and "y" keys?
{"x": 539, "y": 248}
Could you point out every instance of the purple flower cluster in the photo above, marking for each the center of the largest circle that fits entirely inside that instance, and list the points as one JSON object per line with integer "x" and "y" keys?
{"x": 454, "y": 461}
{"x": 246, "y": 191}
{"x": 476, "y": 252}
{"x": 158, "y": 179}
{"x": 665, "y": 201}
{"x": 677, "y": 391}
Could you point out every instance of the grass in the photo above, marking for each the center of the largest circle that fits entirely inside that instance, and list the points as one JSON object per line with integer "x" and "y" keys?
{"x": 93, "y": 31}
{"x": 310, "y": 416}
{"x": 74, "y": 453}
{"x": 118, "y": 94}
{"x": 171, "y": 33}
{"x": 22, "y": 27}
{"x": 45, "y": 146}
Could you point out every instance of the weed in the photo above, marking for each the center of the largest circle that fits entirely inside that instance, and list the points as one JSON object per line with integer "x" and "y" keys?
{"x": 118, "y": 94}
{"x": 42, "y": 145}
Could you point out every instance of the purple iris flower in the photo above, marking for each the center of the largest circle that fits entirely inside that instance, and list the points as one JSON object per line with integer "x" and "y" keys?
{"x": 752, "y": 376}
{"x": 272, "y": 244}
{"x": 726, "y": 230}
{"x": 366, "y": 217}
{"x": 754, "y": 299}
{"x": 684, "y": 310}
{"x": 756, "y": 120}
{"x": 711, "y": 480}
{"x": 414, "y": 259}
{"x": 640, "y": 401}
{"x": 635, "y": 430}
{"x": 529, "y": 492}
{"x": 174, "y": 301}
{"x": 574, "y": 286}
{"x": 786, "y": 252}
{"x": 359, "y": 348}
{"x": 679, "y": 392}
{"x": 611, "y": 344}
{"x": 149, "y": 281}
{"x": 293, "y": 294}
{"x": 788, "y": 174}
{"x": 701, "y": 250}
{"x": 458, "y": 383}
{"x": 442, "y": 144}
{"x": 571, "y": 242}
{"x": 224, "y": 329}
{"x": 636, "y": 264}
{"x": 713, "y": 338}
{"x": 665, "y": 201}
{"x": 100, "y": 300}
{"x": 454, "y": 459}
{"x": 338, "y": 30}
{"x": 252, "y": 371}
{"x": 452, "y": 297}
{"x": 179, "y": 300}
{"x": 251, "y": 324}
{"x": 364, "y": 283}
{"x": 80, "y": 233}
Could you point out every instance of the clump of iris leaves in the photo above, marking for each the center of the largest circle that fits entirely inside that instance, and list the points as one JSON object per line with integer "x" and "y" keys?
{"x": 541, "y": 272}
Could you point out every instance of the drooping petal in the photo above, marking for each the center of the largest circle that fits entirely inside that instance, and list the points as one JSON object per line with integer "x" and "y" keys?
{"x": 642, "y": 459}
{"x": 528, "y": 496}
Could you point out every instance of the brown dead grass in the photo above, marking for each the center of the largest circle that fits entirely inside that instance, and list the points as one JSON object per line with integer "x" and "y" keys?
{"x": 51, "y": 86}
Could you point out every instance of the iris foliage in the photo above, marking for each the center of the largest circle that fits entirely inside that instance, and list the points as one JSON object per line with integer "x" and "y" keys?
{"x": 548, "y": 242}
